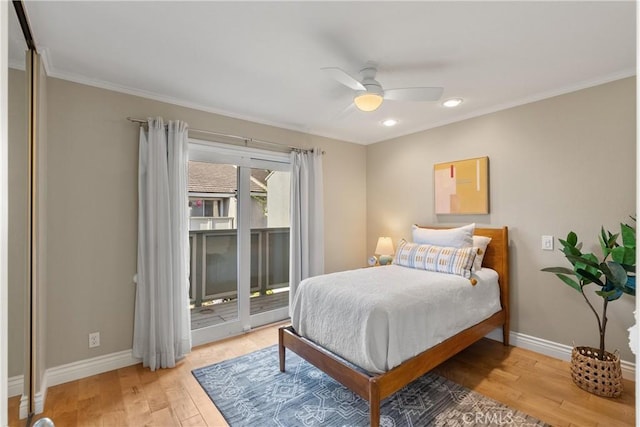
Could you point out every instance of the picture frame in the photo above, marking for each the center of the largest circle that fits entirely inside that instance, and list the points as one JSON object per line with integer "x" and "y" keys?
{"x": 461, "y": 187}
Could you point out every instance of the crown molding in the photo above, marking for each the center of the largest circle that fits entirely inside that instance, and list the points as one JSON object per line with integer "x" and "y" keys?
{"x": 586, "y": 84}
{"x": 102, "y": 84}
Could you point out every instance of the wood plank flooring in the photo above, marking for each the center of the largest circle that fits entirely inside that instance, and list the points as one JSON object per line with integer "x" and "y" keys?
{"x": 538, "y": 385}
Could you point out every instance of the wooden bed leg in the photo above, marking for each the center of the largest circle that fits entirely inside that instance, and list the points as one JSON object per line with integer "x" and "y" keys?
{"x": 505, "y": 333}
{"x": 281, "y": 349}
{"x": 374, "y": 404}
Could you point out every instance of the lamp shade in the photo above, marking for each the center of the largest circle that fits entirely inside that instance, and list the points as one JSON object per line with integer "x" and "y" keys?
{"x": 384, "y": 246}
{"x": 368, "y": 101}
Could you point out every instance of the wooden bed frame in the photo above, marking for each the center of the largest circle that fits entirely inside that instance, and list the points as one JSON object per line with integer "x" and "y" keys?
{"x": 374, "y": 388}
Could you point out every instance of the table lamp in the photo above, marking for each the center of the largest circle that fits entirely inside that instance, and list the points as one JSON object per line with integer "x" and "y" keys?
{"x": 384, "y": 249}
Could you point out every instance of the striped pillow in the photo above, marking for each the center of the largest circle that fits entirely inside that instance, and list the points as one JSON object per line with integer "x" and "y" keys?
{"x": 436, "y": 258}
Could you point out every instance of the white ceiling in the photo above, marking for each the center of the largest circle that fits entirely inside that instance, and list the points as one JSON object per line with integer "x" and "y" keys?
{"x": 261, "y": 61}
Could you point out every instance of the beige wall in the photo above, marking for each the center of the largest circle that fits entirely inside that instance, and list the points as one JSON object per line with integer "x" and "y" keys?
{"x": 565, "y": 163}
{"x": 369, "y": 191}
{"x": 92, "y": 209}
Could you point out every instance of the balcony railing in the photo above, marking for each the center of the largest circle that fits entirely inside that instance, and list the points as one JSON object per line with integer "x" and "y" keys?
{"x": 214, "y": 263}
{"x": 210, "y": 223}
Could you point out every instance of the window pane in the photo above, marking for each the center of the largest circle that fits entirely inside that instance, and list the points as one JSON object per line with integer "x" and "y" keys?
{"x": 208, "y": 208}
{"x": 216, "y": 247}
{"x": 213, "y": 204}
{"x": 222, "y": 266}
{"x": 270, "y": 204}
{"x": 196, "y": 207}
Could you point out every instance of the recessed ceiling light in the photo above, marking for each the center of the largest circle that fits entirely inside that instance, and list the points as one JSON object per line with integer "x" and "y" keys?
{"x": 390, "y": 122}
{"x": 453, "y": 102}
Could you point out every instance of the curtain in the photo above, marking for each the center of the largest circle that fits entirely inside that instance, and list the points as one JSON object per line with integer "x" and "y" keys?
{"x": 307, "y": 218}
{"x": 162, "y": 331}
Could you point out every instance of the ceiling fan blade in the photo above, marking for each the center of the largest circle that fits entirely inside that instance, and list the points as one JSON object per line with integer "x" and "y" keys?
{"x": 346, "y": 112}
{"x": 344, "y": 78}
{"x": 414, "y": 94}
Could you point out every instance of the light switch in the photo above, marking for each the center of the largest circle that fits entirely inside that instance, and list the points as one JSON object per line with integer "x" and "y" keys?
{"x": 547, "y": 243}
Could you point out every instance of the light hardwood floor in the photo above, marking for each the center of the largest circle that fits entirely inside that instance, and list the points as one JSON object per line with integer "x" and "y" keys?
{"x": 538, "y": 385}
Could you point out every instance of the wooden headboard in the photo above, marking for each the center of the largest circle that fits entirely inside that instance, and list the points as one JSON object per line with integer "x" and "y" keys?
{"x": 496, "y": 258}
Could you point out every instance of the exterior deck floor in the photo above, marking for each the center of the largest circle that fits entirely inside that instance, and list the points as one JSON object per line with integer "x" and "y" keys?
{"x": 216, "y": 314}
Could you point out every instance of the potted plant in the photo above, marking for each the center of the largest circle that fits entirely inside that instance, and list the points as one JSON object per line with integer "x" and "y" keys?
{"x": 595, "y": 369}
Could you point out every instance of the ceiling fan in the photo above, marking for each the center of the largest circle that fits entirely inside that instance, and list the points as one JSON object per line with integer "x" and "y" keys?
{"x": 369, "y": 93}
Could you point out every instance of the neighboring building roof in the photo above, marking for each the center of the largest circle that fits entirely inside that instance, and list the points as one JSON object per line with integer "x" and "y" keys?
{"x": 259, "y": 178}
{"x": 221, "y": 178}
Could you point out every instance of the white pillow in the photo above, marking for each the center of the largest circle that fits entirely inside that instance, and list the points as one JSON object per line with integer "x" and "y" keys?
{"x": 480, "y": 243}
{"x": 461, "y": 237}
{"x": 436, "y": 258}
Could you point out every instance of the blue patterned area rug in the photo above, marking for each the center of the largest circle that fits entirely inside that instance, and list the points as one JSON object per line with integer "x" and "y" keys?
{"x": 250, "y": 391}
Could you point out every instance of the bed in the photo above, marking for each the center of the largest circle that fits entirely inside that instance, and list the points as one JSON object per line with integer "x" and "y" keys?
{"x": 375, "y": 386}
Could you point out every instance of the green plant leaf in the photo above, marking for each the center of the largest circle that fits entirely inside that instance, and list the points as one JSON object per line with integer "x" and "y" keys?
{"x": 588, "y": 263}
{"x": 607, "y": 241}
{"x": 628, "y": 236}
{"x": 618, "y": 275}
{"x": 589, "y": 260}
{"x": 614, "y": 289}
{"x": 589, "y": 276}
{"x": 603, "y": 234}
{"x": 604, "y": 269}
{"x": 559, "y": 270}
{"x": 629, "y": 268}
{"x": 572, "y": 253}
{"x": 572, "y": 238}
{"x": 609, "y": 294}
{"x": 624, "y": 255}
{"x": 569, "y": 281}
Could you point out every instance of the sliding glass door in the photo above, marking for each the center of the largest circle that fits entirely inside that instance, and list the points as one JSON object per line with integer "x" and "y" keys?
{"x": 239, "y": 232}
{"x": 269, "y": 224}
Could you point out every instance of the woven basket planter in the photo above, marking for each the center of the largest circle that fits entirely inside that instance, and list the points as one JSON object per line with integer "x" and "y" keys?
{"x": 600, "y": 377}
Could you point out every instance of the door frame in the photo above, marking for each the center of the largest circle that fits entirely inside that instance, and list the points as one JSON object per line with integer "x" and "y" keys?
{"x": 245, "y": 158}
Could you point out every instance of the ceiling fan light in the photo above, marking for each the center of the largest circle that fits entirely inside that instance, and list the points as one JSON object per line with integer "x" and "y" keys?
{"x": 368, "y": 101}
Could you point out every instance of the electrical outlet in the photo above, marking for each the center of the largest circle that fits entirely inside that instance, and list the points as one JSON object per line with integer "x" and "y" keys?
{"x": 547, "y": 243}
{"x": 94, "y": 339}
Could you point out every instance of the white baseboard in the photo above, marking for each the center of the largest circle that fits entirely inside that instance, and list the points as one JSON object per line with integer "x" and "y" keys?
{"x": 15, "y": 386}
{"x": 88, "y": 367}
{"x": 77, "y": 370}
{"x": 553, "y": 349}
{"x": 39, "y": 399}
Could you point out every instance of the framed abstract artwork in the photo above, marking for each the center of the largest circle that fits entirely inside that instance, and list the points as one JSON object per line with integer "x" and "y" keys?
{"x": 462, "y": 187}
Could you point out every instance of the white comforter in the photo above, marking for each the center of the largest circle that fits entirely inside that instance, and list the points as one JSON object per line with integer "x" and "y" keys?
{"x": 379, "y": 317}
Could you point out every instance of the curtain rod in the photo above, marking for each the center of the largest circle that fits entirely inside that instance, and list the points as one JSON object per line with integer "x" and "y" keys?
{"x": 243, "y": 138}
